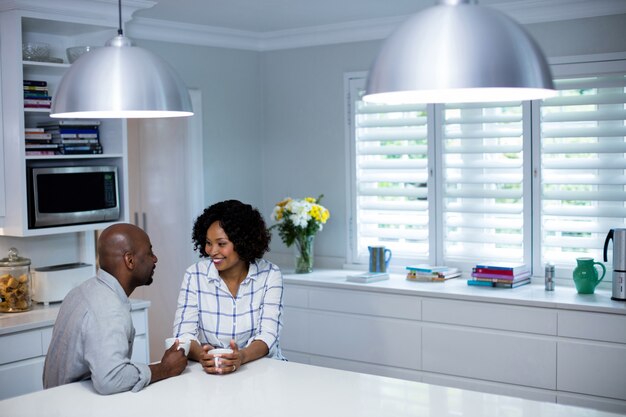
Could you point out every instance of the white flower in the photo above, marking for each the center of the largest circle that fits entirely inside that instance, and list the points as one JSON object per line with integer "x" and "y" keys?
{"x": 299, "y": 212}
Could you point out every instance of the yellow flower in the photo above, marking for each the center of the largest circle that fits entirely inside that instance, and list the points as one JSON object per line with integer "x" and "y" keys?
{"x": 310, "y": 200}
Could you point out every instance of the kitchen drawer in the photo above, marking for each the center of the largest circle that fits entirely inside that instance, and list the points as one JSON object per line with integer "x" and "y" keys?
{"x": 296, "y": 296}
{"x": 490, "y": 316}
{"x": 490, "y": 355}
{"x": 19, "y": 346}
{"x": 46, "y": 337}
{"x": 592, "y": 368}
{"x": 295, "y": 332}
{"x": 361, "y": 302}
{"x": 21, "y": 377}
{"x": 593, "y": 326}
{"x": 376, "y": 340}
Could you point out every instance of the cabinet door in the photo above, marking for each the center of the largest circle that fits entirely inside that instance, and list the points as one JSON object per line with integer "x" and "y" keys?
{"x": 165, "y": 194}
{"x": 593, "y": 368}
{"x": 21, "y": 377}
{"x": 490, "y": 355}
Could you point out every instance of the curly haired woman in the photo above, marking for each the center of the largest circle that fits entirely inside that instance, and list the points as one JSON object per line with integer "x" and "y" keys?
{"x": 232, "y": 299}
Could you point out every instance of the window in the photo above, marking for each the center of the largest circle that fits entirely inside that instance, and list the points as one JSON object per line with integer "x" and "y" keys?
{"x": 458, "y": 184}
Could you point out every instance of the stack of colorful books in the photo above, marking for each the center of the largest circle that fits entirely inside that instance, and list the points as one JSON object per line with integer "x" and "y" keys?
{"x": 38, "y": 142}
{"x": 429, "y": 273}
{"x": 74, "y": 137}
{"x": 36, "y": 95}
{"x": 505, "y": 275}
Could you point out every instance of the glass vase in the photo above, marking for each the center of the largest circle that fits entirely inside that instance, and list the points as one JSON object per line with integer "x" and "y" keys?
{"x": 304, "y": 255}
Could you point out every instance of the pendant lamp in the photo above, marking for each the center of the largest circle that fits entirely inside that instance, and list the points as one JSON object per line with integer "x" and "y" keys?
{"x": 459, "y": 52}
{"x": 120, "y": 81}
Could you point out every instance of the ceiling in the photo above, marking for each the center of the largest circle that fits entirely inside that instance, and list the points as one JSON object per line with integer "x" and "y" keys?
{"x": 265, "y": 16}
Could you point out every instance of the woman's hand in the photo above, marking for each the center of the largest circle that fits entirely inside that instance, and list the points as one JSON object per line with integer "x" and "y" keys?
{"x": 223, "y": 363}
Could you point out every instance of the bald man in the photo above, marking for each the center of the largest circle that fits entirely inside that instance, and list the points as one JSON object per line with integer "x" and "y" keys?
{"x": 93, "y": 334}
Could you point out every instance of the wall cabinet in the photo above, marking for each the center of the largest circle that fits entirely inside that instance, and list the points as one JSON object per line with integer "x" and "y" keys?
{"x": 22, "y": 353}
{"x": 545, "y": 354}
{"x": 18, "y": 26}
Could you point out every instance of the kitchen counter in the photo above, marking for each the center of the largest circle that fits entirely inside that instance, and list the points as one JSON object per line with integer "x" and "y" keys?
{"x": 268, "y": 387}
{"x": 43, "y": 316}
{"x": 527, "y": 295}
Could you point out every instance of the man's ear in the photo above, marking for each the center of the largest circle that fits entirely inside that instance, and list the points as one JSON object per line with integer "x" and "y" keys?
{"x": 129, "y": 260}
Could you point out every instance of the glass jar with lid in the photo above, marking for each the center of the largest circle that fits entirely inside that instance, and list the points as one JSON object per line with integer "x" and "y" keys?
{"x": 15, "y": 283}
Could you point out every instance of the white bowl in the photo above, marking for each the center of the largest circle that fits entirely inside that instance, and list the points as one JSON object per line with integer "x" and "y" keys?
{"x": 75, "y": 52}
{"x": 35, "y": 51}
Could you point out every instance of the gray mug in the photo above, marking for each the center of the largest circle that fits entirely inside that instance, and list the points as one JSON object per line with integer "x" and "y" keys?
{"x": 379, "y": 258}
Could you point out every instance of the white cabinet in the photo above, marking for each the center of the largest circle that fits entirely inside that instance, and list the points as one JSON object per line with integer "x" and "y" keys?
{"x": 376, "y": 333}
{"x": 21, "y": 361}
{"x": 18, "y": 26}
{"x": 534, "y": 352}
{"x": 22, "y": 353}
{"x": 592, "y": 355}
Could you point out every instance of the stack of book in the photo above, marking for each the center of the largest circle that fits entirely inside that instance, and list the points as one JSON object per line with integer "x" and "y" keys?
{"x": 38, "y": 142}
{"x": 36, "y": 95}
{"x": 74, "y": 137}
{"x": 505, "y": 275}
{"x": 429, "y": 273}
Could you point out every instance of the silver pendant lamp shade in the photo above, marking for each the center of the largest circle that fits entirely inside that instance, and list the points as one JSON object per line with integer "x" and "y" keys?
{"x": 459, "y": 52}
{"x": 120, "y": 81}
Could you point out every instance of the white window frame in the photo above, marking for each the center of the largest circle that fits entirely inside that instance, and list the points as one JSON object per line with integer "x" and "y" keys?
{"x": 561, "y": 67}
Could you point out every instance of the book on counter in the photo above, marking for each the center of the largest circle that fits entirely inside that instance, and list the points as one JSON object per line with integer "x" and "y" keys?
{"x": 428, "y": 273}
{"x": 501, "y": 268}
{"x": 367, "y": 277}
{"x": 499, "y": 284}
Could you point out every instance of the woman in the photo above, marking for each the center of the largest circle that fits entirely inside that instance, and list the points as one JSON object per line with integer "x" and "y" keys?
{"x": 233, "y": 299}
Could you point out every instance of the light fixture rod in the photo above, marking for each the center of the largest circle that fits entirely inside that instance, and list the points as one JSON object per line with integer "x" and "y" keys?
{"x": 119, "y": 16}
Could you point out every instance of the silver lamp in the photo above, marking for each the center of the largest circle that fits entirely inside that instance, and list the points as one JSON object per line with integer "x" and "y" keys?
{"x": 459, "y": 52}
{"x": 120, "y": 81}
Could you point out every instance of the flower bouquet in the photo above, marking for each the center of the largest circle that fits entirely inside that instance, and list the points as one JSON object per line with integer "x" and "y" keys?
{"x": 298, "y": 222}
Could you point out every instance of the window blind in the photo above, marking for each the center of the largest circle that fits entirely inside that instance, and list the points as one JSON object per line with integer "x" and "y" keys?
{"x": 583, "y": 167}
{"x": 392, "y": 179}
{"x": 482, "y": 183}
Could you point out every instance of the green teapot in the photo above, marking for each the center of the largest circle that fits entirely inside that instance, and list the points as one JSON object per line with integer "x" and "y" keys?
{"x": 586, "y": 275}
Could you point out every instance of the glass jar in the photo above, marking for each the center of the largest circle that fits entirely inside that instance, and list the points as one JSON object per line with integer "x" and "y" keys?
{"x": 15, "y": 283}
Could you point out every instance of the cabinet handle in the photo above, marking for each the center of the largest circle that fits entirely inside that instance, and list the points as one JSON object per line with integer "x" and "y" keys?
{"x": 136, "y": 219}
{"x": 144, "y": 218}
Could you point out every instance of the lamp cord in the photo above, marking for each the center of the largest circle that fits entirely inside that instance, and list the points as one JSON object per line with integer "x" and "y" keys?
{"x": 119, "y": 13}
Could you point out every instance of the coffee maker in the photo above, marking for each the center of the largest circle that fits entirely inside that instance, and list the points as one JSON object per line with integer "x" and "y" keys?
{"x": 619, "y": 262}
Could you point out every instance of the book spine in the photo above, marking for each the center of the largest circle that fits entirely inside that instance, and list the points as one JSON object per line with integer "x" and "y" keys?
{"x": 500, "y": 276}
{"x": 36, "y": 83}
{"x": 34, "y": 88}
{"x": 30, "y": 135}
{"x": 492, "y": 271}
{"x": 480, "y": 283}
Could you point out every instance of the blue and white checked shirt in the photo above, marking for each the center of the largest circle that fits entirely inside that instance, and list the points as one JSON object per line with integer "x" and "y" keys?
{"x": 208, "y": 313}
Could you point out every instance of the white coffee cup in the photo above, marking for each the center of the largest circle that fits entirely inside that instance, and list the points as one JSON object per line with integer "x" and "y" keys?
{"x": 219, "y": 351}
{"x": 182, "y": 344}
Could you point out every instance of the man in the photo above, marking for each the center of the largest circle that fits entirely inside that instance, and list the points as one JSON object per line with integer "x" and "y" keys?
{"x": 93, "y": 334}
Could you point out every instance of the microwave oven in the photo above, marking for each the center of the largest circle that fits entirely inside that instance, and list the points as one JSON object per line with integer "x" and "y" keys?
{"x": 70, "y": 195}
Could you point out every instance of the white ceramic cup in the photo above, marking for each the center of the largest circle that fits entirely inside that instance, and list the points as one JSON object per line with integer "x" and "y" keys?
{"x": 219, "y": 351}
{"x": 182, "y": 344}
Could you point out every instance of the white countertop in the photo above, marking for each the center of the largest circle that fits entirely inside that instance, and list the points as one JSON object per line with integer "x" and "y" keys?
{"x": 529, "y": 295}
{"x": 269, "y": 387}
{"x": 43, "y": 316}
